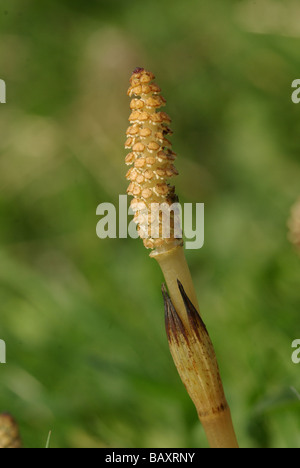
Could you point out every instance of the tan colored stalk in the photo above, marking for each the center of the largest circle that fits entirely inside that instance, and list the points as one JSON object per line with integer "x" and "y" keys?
{"x": 174, "y": 267}
{"x": 152, "y": 158}
{"x": 196, "y": 362}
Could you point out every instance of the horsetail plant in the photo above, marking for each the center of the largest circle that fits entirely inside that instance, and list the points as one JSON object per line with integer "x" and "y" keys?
{"x": 152, "y": 161}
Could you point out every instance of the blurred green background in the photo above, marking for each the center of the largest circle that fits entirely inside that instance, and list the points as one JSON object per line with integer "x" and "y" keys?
{"x": 87, "y": 355}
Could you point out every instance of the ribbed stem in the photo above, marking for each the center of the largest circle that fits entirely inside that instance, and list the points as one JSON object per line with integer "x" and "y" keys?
{"x": 219, "y": 430}
{"x": 192, "y": 350}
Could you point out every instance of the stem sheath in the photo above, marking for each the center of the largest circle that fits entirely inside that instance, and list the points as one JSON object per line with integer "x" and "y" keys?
{"x": 192, "y": 350}
{"x": 174, "y": 267}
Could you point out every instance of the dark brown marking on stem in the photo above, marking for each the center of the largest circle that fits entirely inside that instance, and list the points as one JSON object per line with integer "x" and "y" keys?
{"x": 195, "y": 320}
{"x": 173, "y": 323}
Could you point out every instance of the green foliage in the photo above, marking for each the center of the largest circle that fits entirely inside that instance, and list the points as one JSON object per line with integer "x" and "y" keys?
{"x": 87, "y": 356}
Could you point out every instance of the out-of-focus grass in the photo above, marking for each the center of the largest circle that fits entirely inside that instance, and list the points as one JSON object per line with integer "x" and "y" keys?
{"x": 82, "y": 318}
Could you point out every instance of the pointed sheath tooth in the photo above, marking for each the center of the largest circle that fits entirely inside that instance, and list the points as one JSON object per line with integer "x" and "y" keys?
{"x": 174, "y": 326}
{"x": 195, "y": 359}
{"x": 195, "y": 320}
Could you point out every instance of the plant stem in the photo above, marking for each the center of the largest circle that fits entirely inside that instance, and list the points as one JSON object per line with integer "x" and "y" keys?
{"x": 174, "y": 267}
{"x": 151, "y": 159}
{"x": 219, "y": 430}
{"x": 192, "y": 350}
